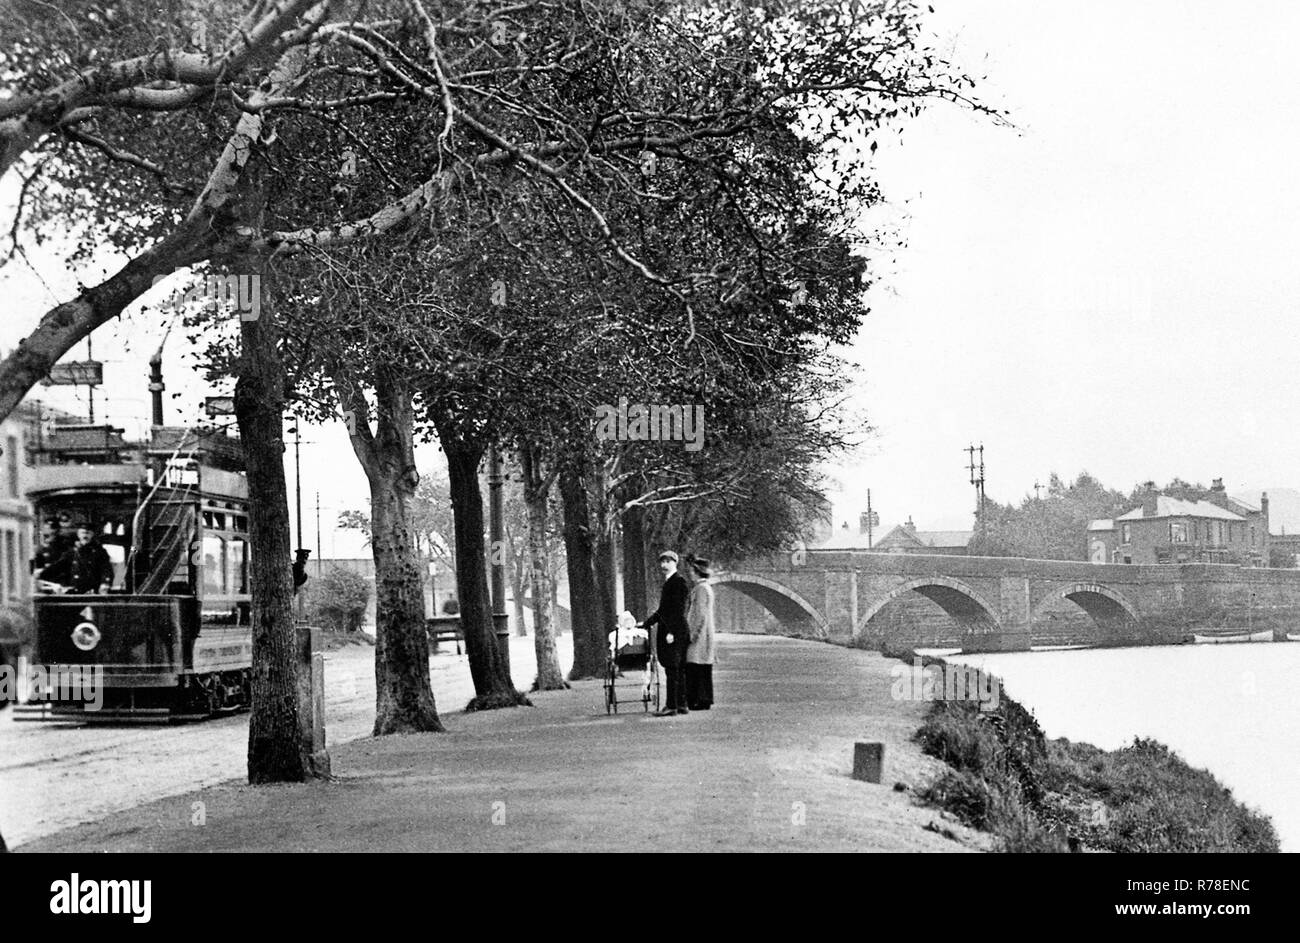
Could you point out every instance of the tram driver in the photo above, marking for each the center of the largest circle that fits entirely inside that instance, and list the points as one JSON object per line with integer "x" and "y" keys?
{"x": 91, "y": 570}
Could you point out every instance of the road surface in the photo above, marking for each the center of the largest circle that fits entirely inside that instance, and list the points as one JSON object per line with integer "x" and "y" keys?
{"x": 767, "y": 769}
{"x": 53, "y": 776}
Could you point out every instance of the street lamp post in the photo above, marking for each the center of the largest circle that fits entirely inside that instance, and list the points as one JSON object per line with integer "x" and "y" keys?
{"x": 496, "y": 552}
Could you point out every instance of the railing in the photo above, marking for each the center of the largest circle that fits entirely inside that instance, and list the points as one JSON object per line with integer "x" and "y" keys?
{"x": 167, "y": 556}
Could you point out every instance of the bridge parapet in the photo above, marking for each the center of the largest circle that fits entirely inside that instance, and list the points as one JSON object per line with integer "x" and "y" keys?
{"x": 998, "y": 601}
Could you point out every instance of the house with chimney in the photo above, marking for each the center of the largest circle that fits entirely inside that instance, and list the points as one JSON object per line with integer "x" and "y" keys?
{"x": 1165, "y": 529}
{"x": 905, "y": 538}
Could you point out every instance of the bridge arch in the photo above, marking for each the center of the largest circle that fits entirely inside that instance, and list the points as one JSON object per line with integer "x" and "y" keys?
{"x": 1110, "y": 611}
{"x": 963, "y": 604}
{"x": 790, "y": 609}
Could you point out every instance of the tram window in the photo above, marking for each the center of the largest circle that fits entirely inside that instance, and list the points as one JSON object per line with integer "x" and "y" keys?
{"x": 11, "y": 565}
{"x": 237, "y": 566}
{"x": 117, "y": 555}
{"x": 214, "y": 566}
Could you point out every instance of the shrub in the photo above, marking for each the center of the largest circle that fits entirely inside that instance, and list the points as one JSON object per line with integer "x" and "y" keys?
{"x": 338, "y": 599}
{"x": 17, "y": 624}
{"x": 1156, "y": 802}
{"x": 1005, "y": 778}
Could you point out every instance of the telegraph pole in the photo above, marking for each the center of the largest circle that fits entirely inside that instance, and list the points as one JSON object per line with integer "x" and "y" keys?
{"x": 318, "y": 535}
{"x": 297, "y": 476}
{"x": 300, "y": 599}
{"x": 977, "y": 477}
{"x": 90, "y": 355}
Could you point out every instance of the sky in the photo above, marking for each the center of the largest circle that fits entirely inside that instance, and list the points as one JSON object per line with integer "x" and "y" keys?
{"x": 1112, "y": 284}
{"x": 1109, "y": 285}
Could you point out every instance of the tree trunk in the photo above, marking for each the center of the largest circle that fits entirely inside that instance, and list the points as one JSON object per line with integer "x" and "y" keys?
{"x": 652, "y": 531}
{"x": 518, "y": 583}
{"x": 607, "y": 578}
{"x": 278, "y": 750}
{"x": 606, "y": 552}
{"x": 537, "y": 489}
{"x": 553, "y": 573}
{"x": 635, "y": 599}
{"x": 589, "y": 635}
{"x": 491, "y": 673}
{"x": 404, "y": 701}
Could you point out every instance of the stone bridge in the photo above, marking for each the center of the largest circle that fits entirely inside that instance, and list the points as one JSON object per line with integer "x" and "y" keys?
{"x": 1007, "y": 603}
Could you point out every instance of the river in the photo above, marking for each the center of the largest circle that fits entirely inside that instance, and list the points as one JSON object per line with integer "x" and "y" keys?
{"x": 1230, "y": 709}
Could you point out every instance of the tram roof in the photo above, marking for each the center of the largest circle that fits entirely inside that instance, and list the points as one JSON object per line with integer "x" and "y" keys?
{"x": 125, "y": 476}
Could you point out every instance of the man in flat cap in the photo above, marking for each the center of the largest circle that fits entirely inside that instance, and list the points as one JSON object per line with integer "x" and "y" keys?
{"x": 673, "y": 636}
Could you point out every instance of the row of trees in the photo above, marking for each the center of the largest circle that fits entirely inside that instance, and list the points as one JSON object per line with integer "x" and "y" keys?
{"x": 1054, "y": 526}
{"x": 1051, "y": 527}
{"x": 477, "y": 221}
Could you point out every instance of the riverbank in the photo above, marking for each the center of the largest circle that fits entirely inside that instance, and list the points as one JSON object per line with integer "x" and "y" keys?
{"x": 769, "y": 768}
{"x": 1223, "y": 708}
{"x": 1039, "y": 795}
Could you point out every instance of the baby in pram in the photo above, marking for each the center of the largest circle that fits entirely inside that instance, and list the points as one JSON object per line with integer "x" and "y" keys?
{"x": 628, "y": 638}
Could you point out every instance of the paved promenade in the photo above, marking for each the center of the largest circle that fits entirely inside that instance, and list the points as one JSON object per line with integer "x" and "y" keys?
{"x": 766, "y": 769}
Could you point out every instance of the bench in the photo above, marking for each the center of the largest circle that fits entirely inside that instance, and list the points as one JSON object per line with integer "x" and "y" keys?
{"x": 445, "y": 629}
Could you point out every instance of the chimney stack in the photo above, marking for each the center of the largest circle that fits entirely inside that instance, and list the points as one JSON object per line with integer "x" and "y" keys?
{"x": 1218, "y": 494}
{"x": 1150, "y": 507}
{"x": 911, "y": 528}
{"x": 1263, "y": 524}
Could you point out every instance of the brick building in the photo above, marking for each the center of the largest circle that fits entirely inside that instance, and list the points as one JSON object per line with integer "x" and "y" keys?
{"x": 1164, "y": 529}
{"x": 1285, "y": 547}
{"x": 1103, "y": 545}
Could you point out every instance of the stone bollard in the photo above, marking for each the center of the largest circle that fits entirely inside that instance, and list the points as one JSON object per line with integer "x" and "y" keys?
{"x": 312, "y": 697}
{"x": 868, "y": 761}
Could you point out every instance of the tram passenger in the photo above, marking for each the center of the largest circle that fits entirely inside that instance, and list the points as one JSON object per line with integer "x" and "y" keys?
{"x": 91, "y": 568}
{"x": 300, "y": 569}
{"x": 52, "y": 561}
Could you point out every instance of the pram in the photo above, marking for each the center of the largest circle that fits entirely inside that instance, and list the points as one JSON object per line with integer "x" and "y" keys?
{"x": 629, "y": 651}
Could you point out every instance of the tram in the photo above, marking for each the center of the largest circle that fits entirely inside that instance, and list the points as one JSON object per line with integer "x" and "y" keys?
{"x": 172, "y": 634}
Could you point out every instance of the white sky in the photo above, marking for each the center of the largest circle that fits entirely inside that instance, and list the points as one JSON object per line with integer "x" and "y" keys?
{"x": 1110, "y": 286}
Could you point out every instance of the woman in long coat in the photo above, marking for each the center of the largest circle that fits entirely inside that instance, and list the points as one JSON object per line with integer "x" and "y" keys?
{"x": 703, "y": 646}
